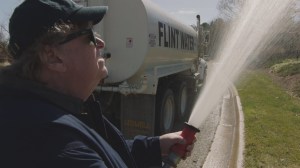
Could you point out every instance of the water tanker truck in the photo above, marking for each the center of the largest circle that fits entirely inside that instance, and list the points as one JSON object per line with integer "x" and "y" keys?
{"x": 155, "y": 69}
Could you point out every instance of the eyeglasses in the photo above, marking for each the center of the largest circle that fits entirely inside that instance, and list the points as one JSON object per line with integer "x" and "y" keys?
{"x": 74, "y": 35}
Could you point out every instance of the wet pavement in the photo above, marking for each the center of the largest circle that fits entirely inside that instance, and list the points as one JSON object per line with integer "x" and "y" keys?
{"x": 220, "y": 142}
{"x": 204, "y": 141}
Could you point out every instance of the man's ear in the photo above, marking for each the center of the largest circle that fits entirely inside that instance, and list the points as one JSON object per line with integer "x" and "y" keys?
{"x": 53, "y": 59}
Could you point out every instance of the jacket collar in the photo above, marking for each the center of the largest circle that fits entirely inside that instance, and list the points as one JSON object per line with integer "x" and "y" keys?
{"x": 61, "y": 100}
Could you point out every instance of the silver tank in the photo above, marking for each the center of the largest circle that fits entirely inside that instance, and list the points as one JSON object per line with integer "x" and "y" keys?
{"x": 140, "y": 36}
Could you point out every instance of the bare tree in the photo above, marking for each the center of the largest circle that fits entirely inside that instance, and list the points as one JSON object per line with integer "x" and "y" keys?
{"x": 229, "y": 9}
{"x": 1, "y": 33}
{"x": 217, "y": 33}
{"x": 3, "y": 44}
{"x": 286, "y": 43}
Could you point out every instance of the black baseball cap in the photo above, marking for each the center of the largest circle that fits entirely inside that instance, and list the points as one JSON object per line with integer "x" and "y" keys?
{"x": 32, "y": 18}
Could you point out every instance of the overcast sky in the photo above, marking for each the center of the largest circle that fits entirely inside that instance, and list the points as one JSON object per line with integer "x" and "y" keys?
{"x": 6, "y": 9}
{"x": 184, "y": 10}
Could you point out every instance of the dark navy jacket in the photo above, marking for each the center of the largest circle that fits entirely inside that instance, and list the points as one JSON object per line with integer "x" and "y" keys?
{"x": 41, "y": 128}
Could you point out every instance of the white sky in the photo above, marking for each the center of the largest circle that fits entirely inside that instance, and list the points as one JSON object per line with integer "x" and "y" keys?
{"x": 184, "y": 10}
{"x": 6, "y": 9}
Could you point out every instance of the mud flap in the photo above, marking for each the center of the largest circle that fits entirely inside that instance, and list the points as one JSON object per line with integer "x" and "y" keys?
{"x": 137, "y": 115}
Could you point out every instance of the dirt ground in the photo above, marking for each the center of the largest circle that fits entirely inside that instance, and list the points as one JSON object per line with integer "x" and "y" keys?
{"x": 290, "y": 83}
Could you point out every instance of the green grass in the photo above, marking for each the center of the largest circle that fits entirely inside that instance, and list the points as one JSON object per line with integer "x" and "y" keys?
{"x": 287, "y": 67}
{"x": 272, "y": 123}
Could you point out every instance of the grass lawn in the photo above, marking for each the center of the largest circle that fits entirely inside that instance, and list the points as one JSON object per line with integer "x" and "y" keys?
{"x": 272, "y": 123}
{"x": 287, "y": 67}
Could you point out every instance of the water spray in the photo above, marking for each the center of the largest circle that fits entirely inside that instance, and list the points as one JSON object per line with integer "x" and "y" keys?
{"x": 258, "y": 24}
{"x": 178, "y": 150}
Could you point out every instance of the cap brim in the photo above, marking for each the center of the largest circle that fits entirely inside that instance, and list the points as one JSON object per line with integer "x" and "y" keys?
{"x": 92, "y": 13}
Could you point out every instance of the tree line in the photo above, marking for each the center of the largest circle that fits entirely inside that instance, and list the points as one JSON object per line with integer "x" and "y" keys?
{"x": 285, "y": 45}
{"x": 3, "y": 43}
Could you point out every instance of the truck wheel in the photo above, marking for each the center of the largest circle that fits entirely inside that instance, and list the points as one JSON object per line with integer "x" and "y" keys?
{"x": 181, "y": 100}
{"x": 165, "y": 112}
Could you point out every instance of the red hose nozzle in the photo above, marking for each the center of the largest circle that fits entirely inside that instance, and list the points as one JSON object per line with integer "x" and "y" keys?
{"x": 178, "y": 150}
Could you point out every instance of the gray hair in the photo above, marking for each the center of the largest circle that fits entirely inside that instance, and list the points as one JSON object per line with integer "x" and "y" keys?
{"x": 29, "y": 64}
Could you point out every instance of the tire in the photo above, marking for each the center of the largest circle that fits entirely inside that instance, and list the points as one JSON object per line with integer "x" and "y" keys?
{"x": 165, "y": 112}
{"x": 181, "y": 100}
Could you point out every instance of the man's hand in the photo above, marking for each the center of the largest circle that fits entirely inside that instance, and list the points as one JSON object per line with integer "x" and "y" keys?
{"x": 168, "y": 140}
